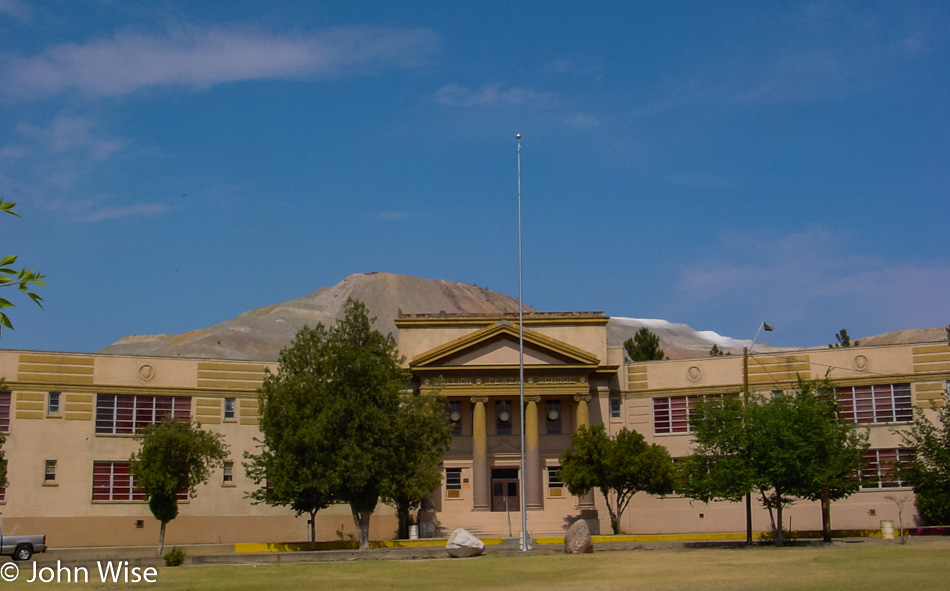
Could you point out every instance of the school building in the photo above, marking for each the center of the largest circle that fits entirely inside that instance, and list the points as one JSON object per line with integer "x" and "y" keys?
{"x": 69, "y": 420}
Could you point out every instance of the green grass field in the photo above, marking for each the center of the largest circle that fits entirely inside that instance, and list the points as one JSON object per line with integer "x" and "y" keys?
{"x": 919, "y": 565}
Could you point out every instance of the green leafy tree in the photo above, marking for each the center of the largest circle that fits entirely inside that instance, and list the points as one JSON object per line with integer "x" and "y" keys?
{"x": 835, "y": 446}
{"x": 21, "y": 280}
{"x": 618, "y": 467}
{"x": 929, "y": 471}
{"x": 715, "y": 351}
{"x": 644, "y": 346}
{"x": 290, "y": 468}
{"x": 421, "y": 436}
{"x": 353, "y": 374}
{"x": 175, "y": 456}
{"x": 782, "y": 448}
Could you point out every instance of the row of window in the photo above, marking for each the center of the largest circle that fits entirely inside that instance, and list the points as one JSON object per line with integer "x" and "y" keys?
{"x": 885, "y": 403}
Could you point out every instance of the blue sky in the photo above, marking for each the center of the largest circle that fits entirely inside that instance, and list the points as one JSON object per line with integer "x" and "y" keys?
{"x": 717, "y": 164}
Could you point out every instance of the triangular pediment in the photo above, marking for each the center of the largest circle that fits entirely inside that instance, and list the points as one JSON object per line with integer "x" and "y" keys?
{"x": 497, "y": 345}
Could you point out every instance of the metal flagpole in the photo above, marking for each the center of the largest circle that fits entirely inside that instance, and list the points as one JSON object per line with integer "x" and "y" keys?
{"x": 524, "y": 513}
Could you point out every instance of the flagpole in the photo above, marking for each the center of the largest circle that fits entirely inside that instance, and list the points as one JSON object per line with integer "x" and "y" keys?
{"x": 524, "y": 513}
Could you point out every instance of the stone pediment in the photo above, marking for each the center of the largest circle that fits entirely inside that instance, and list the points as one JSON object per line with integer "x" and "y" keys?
{"x": 497, "y": 346}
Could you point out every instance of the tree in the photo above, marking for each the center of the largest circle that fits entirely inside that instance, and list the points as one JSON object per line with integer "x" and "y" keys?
{"x": 20, "y": 280}
{"x": 644, "y": 346}
{"x": 929, "y": 470}
{"x": 715, "y": 351}
{"x": 844, "y": 340}
{"x": 618, "y": 467}
{"x": 784, "y": 448}
{"x": 289, "y": 469}
{"x": 421, "y": 436}
{"x": 835, "y": 446}
{"x": 337, "y": 392}
{"x": 175, "y": 456}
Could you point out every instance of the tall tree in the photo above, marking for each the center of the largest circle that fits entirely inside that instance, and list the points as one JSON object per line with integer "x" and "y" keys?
{"x": 290, "y": 467}
{"x": 354, "y": 374}
{"x": 619, "y": 467}
{"x": 421, "y": 436}
{"x": 644, "y": 346}
{"x": 175, "y": 456}
{"x": 929, "y": 470}
{"x": 835, "y": 446}
{"x": 21, "y": 280}
{"x": 783, "y": 448}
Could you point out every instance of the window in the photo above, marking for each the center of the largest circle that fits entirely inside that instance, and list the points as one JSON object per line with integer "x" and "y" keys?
{"x": 111, "y": 481}
{"x": 615, "y": 406}
{"x": 671, "y": 413}
{"x": 882, "y": 403}
{"x": 5, "y": 398}
{"x": 453, "y": 482}
{"x": 229, "y": 404}
{"x": 503, "y": 417}
{"x": 553, "y": 414}
{"x": 880, "y": 470}
{"x": 554, "y": 481}
{"x": 121, "y": 414}
{"x": 52, "y": 403}
{"x": 228, "y": 474}
{"x": 453, "y": 409}
{"x": 49, "y": 472}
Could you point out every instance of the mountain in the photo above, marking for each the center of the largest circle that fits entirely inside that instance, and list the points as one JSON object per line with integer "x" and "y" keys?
{"x": 260, "y": 334}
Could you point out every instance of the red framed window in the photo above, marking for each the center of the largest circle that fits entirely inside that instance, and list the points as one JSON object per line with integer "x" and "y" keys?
{"x": 122, "y": 414}
{"x": 879, "y": 403}
{"x": 880, "y": 470}
{"x": 5, "y": 400}
{"x": 111, "y": 481}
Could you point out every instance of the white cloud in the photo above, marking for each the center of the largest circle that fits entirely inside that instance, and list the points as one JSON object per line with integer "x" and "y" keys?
{"x": 16, "y": 9}
{"x": 68, "y": 134}
{"x": 392, "y": 216}
{"x": 491, "y": 95}
{"x": 195, "y": 57}
{"x": 816, "y": 273}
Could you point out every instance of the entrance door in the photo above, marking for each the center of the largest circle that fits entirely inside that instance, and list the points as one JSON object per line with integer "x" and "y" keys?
{"x": 504, "y": 489}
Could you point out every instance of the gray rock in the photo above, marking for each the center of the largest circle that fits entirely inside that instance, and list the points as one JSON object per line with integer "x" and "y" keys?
{"x": 463, "y": 544}
{"x": 577, "y": 539}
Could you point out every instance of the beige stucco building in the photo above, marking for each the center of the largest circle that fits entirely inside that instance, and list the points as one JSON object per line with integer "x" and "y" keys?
{"x": 69, "y": 419}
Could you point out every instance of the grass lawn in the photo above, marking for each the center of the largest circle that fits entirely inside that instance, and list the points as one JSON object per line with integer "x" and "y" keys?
{"x": 920, "y": 565}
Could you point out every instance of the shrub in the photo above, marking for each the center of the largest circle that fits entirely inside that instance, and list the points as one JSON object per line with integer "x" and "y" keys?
{"x": 174, "y": 557}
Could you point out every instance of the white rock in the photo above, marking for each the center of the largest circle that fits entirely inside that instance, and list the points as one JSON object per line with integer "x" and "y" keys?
{"x": 463, "y": 544}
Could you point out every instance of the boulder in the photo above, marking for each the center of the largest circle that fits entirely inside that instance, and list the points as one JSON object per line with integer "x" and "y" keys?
{"x": 463, "y": 544}
{"x": 577, "y": 539}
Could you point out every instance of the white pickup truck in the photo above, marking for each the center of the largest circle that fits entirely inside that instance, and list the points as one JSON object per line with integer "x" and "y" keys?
{"x": 21, "y": 547}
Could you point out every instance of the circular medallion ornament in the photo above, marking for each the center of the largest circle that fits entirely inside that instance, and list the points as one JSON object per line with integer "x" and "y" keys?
{"x": 694, "y": 373}
{"x": 146, "y": 372}
{"x": 860, "y": 362}
{"x": 583, "y": 379}
{"x": 478, "y": 380}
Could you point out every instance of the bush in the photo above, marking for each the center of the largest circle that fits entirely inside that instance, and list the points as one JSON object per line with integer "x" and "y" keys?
{"x": 174, "y": 557}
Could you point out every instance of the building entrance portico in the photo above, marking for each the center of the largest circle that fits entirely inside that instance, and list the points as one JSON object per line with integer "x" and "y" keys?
{"x": 472, "y": 361}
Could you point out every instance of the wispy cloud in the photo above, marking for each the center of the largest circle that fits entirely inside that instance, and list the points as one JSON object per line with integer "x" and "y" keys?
{"x": 47, "y": 165}
{"x": 67, "y": 134}
{"x": 16, "y": 9}
{"x": 391, "y": 216}
{"x": 491, "y": 95}
{"x": 828, "y": 50}
{"x": 102, "y": 209}
{"x": 817, "y": 273}
{"x": 196, "y": 57}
